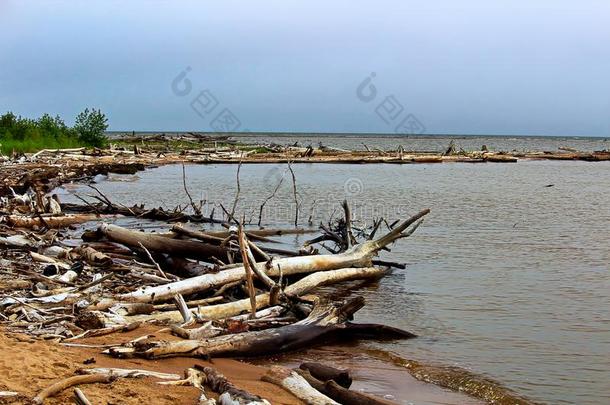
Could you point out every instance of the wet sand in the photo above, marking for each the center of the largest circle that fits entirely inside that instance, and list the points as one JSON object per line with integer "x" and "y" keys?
{"x": 375, "y": 376}
{"x": 27, "y": 366}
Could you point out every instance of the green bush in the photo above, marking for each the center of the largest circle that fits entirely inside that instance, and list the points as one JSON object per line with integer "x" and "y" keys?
{"x": 90, "y": 126}
{"x": 27, "y": 135}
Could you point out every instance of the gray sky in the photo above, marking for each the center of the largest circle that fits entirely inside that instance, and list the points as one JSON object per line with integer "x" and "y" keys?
{"x": 536, "y": 67}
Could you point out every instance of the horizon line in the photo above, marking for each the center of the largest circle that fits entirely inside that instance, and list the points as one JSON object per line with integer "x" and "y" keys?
{"x": 387, "y": 134}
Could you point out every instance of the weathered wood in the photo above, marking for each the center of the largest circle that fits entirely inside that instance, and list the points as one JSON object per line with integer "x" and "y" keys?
{"x": 301, "y": 287}
{"x": 297, "y": 386}
{"x": 155, "y": 243}
{"x": 59, "y": 386}
{"x": 92, "y": 256}
{"x": 229, "y": 392}
{"x": 194, "y": 378}
{"x": 324, "y": 323}
{"x": 80, "y": 398}
{"x": 181, "y": 230}
{"x": 341, "y": 394}
{"x": 183, "y": 308}
{"x": 325, "y": 373}
{"x": 359, "y": 256}
{"x": 249, "y": 273}
{"x": 203, "y": 332}
{"x": 21, "y": 221}
{"x": 265, "y": 232}
{"x": 106, "y": 331}
{"x": 349, "y": 235}
{"x": 127, "y": 373}
{"x": 244, "y": 245}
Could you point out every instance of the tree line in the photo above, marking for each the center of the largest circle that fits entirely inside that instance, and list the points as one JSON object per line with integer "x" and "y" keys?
{"x": 20, "y": 134}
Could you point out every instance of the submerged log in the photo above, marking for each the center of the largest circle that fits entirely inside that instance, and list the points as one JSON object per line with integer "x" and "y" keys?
{"x": 325, "y": 322}
{"x": 341, "y": 394}
{"x": 324, "y": 372}
{"x": 358, "y": 256}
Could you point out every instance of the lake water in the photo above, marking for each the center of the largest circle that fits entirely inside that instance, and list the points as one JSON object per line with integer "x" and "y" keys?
{"x": 508, "y": 277}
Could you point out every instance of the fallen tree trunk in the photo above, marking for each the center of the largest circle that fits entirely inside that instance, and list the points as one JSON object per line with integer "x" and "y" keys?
{"x": 358, "y": 256}
{"x": 303, "y": 286}
{"x": 155, "y": 243}
{"x": 20, "y": 221}
{"x": 324, "y": 323}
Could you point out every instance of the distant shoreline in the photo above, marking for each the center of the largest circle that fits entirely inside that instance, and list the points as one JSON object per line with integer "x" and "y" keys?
{"x": 360, "y": 135}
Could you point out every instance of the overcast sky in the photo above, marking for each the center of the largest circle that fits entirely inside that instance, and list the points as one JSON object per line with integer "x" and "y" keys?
{"x": 536, "y": 67}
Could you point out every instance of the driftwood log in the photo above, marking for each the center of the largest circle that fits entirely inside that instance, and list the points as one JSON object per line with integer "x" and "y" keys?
{"x": 71, "y": 382}
{"x": 80, "y": 398}
{"x": 358, "y": 256}
{"x": 229, "y": 393}
{"x": 325, "y": 322}
{"x": 156, "y": 243}
{"x": 92, "y": 256}
{"x": 301, "y": 287}
{"x": 341, "y": 394}
{"x": 22, "y": 221}
{"x": 298, "y": 386}
{"x": 128, "y": 373}
{"x": 325, "y": 372}
{"x": 196, "y": 379}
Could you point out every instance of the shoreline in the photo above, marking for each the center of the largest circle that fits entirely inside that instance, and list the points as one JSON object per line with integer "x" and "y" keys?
{"x": 30, "y": 365}
{"x": 89, "y": 167}
{"x": 48, "y": 169}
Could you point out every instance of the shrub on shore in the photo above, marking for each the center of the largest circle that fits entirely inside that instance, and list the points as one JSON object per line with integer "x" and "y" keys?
{"x": 21, "y": 134}
{"x": 90, "y": 126}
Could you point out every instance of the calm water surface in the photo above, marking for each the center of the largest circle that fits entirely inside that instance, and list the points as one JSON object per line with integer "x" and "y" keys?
{"x": 508, "y": 277}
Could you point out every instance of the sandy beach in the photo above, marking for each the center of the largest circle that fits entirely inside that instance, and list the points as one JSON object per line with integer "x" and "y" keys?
{"x": 29, "y": 365}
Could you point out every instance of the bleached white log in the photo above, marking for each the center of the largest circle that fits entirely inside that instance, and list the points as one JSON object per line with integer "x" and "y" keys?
{"x": 130, "y": 373}
{"x": 297, "y": 386}
{"x": 303, "y": 286}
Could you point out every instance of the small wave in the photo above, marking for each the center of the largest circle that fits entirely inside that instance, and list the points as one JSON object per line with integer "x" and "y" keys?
{"x": 456, "y": 379}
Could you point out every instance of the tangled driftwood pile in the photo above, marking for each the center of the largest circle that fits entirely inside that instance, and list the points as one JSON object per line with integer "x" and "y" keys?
{"x": 228, "y": 293}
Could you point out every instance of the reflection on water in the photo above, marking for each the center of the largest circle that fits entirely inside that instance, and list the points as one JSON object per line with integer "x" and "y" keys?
{"x": 507, "y": 277}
